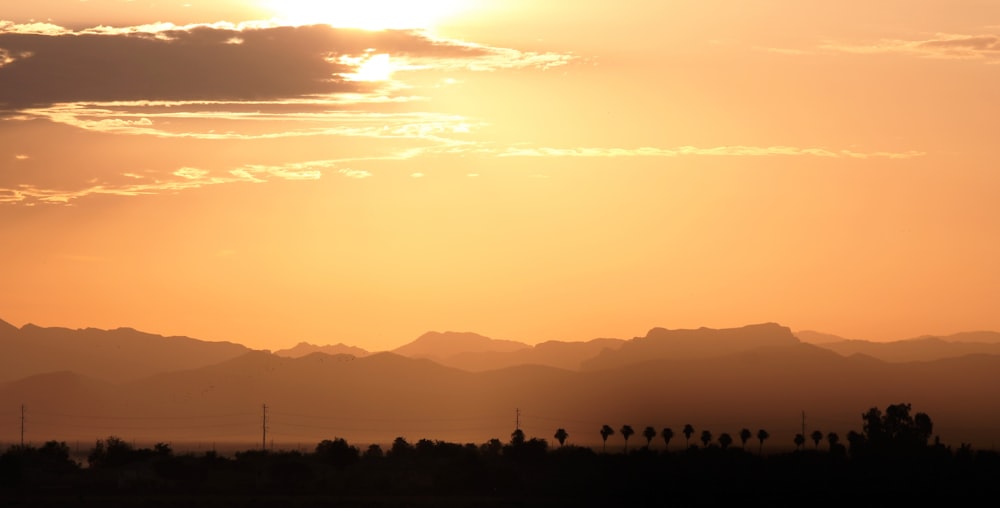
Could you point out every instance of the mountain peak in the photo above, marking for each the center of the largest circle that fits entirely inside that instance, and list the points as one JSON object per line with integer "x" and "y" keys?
{"x": 446, "y": 344}
{"x": 699, "y": 343}
{"x": 304, "y": 349}
{"x": 7, "y": 329}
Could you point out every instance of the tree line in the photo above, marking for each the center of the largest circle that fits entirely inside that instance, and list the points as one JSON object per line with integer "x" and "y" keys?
{"x": 891, "y": 455}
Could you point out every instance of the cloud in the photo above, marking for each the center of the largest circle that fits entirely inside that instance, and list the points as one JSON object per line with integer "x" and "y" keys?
{"x": 45, "y": 65}
{"x": 355, "y": 173}
{"x": 135, "y": 184}
{"x": 941, "y": 45}
{"x": 22, "y": 157}
{"x": 680, "y": 151}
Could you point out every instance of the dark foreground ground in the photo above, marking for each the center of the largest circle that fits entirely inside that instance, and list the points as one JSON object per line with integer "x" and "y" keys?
{"x": 522, "y": 474}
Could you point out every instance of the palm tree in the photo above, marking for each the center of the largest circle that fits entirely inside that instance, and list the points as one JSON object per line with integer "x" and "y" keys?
{"x": 706, "y": 437}
{"x": 816, "y": 436}
{"x": 649, "y": 433}
{"x": 800, "y": 441}
{"x": 667, "y": 434}
{"x": 745, "y": 436}
{"x": 725, "y": 440}
{"x": 561, "y": 436}
{"x": 833, "y": 439}
{"x": 762, "y": 436}
{"x": 606, "y": 431}
{"x": 688, "y": 430}
{"x": 627, "y": 432}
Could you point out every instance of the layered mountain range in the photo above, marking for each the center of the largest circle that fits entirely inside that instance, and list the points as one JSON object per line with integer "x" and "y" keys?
{"x": 85, "y": 384}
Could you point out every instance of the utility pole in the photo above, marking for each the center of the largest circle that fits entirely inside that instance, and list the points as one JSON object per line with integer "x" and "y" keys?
{"x": 22, "y": 426}
{"x": 517, "y": 419}
{"x": 263, "y": 429}
{"x": 803, "y": 423}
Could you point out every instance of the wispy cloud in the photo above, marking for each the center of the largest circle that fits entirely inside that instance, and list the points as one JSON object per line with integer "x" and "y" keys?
{"x": 355, "y": 173}
{"x": 180, "y": 179}
{"x": 251, "y": 120}
{"x": 681, "y": 151}
{"x": 942, "y": 45}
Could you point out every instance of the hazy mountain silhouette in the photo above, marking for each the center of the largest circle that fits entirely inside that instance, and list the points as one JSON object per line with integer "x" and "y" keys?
{"x": 384, "y": 395}
{"x": 304, "y": 348}
{"x": 819, "y": 338}
{"x": 911, "y": 350}
{"x": 758, "y": 376}
{"x": 6, "y": 329}
{"x": 112, "y": 355}
{"x": 688, "y": 344}
{"x": 982, "y": 336}
{"x": 442, "y": 346}
{"x": 559, "y": 354}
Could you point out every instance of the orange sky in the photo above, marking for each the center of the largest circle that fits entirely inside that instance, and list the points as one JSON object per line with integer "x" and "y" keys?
{"x": 525, "y": 170}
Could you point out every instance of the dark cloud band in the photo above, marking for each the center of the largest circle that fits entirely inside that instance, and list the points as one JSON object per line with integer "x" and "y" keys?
{"x": 201, "y": 63}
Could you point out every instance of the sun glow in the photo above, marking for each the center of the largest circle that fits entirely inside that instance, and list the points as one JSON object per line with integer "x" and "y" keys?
{"x": 366, "y": 14}
{"x": 371, "y": 68}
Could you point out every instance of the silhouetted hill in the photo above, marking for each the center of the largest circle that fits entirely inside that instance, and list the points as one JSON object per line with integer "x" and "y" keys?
{"x": 984, "y": 336}
{"x": 562, "y": 355}
{"x": 718, "y": 380}
{"x": 304, "y": 348}
{"x": 819, "y": 338}
{"x": 661, "y": 343}
{"x": 113, "y": 355}
{"x": 6, "y": 329}
{"x": 384, "y": 395}
{"x": 912, "y": 350}
{"x": 441, "y": 346}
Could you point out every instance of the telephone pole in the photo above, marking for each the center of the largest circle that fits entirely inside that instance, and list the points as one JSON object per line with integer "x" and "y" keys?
{"x": 22, "y": 426}
{"x": 517, "y": 419}
{"x": 263, "y": 428}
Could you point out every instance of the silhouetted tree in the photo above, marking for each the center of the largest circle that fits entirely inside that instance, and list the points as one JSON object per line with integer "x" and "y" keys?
{"x": 491, "y": 448}
{"x": 111, "y": 452}
{"x": 627, "y": 432}
{"x": 800, "y": 441}
{"x": 606, "y": 431}
{"x": 706, "y": 437}
{"x": 667, "y": 434}
{"x": 725, "y": 440}
{"x": 374, "y": 451}
{"x": 688, "y": 430}
{"x": 649, "y": 433}
{"x": 337, "y": 452}
{"x": 833, "y": 439}
{"x": 561, "y": 436}
{"x": 517, "y": 437}
{"x": 762, "y": 436}
{"x": 400, "y": 448}
{"x": 745, "y": 436}
{"x": 856, "y": 441}
{"x": 816, "y": 436}
{"x": 894, "y": 431}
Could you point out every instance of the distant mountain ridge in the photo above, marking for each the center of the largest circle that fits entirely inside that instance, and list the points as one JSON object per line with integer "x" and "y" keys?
{"x": 443, "y": 345}
{"x": 384, "y": 395}
{"x": 304, "y": 348}
{"x": 755, "y": 376}
{"x": 661, "y": 343}
{"x": 112, "y": 355}
{"x": 912, "y": 350}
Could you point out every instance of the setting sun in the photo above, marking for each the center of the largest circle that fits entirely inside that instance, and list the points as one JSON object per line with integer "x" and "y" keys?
{"x": 369, "y": 15}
